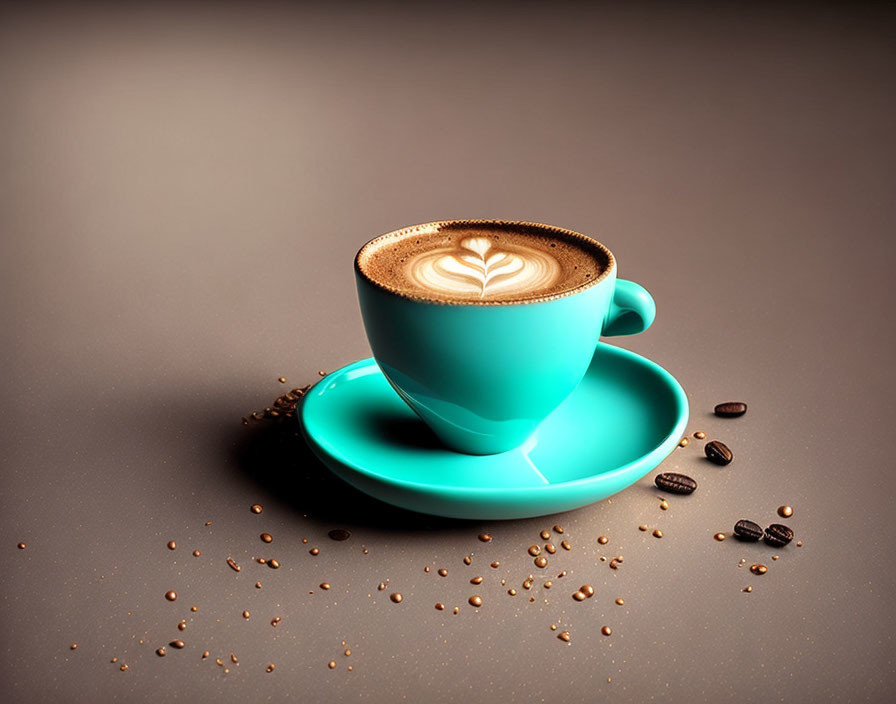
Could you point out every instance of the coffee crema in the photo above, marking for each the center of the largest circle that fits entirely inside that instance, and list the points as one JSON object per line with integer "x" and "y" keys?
{"x": 483, "y": 262}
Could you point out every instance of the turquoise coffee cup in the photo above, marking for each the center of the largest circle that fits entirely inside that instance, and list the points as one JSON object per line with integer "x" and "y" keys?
{"x": 483, "y": 376}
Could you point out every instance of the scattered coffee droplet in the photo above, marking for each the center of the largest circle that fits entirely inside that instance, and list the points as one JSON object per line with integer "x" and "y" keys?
{"x": 332, "y": 664}
{"x": 468, "y": 560}
{"x": 778, "y": 535}
{"x": 614, "y": 564}
{"x": 541, "y": 561}
{"x": 269, "y": 668}
{"x": 719, "y": 536}
{"x": 553, "y": 626}
{"x": 261, "y": 561}
{"x": 476, "y": 580}
{"x": 643, "y": 528}
{"x": 182, "y": 626}
{"x": 21, "y": 546}
{"x": 177, "y": 644}
{"x": 381, "y": 586}
{"x": 426, "y": 569}
{"x": 235, "y": 567}
{"x": 73, "y": 646}
{"x": 545, "y": 535}
{"x": 322, "y": 372}
{"x": 161, "y": 652}
{"x": 675, "y": 483}
{"x": 171, "y": 596}
{"x": 347, "y": 652}
{"x": 219, "y": 662}
{"x": 607, "y": 631}
{"x": 233, "y": 659}
{"x": 246, "y": 615}
{"x": 114, "y": 659}
{"x": 396, "y": 597}
{"x": 274, "y": 564}
{"x": 747, "y": 589}
{"x": 324, "y": 585}
{"x": 785, "y": 511}
{"x": 657, "y": 533}
{"x": 718, "y": 453}
{"x": 172, "y": 545}
{"x": 664, "y": 505}
{"x": 620, "y": 601}
{"x": 562, "y": 574}
{"x": 700, "y": 435}
{"x": 548, "y": 584}
{"x": 558, "y": 529}
{"x": 731, "y": 409}
{"x": 527, "y": 583}
{"x": 276, "y": 621}
{"x": 205, "y": 654}
{"x": 587, "y": 590}
{"x": 443, "y": 572}
{"x": 196, "y": 553}
{"x": 485, "y": 537}
{"x": 256, "y": 508}
{"x": 511, "y": 591}
{"x": 603, "y": 540}
{"x": 123, "y": 668}
{"x": 775, "y": 557}
{"x": 314, "y": 551}
{"x": 799, "y": 543}
{"x": 684, "y": 442}
{"x": 747, "y": 530}
{"x": 475, "y": 600}
{"x": 565, "y": 545}
{"x": 534, "y": 550}
{"x": 440, "y": 606}
{"x": 758, "y": 569}
{"x": 579, "y": 596}
{"x": 282, "y": 379}
{"x": 564, "y": 636}
{"x": 339, "y": 534}
{"x": 266, "y": 537}
{"x": 549, "y": 548}
{"x": 496, "y": 564}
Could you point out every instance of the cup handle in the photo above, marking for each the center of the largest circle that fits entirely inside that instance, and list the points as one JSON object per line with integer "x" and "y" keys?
{"x": 632, "y": 310}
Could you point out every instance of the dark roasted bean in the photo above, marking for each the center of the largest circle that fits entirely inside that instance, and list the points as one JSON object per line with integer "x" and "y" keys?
{"x": 675, "y": 483}
{"x": 747, "y": 530}
{"x": 732, "y": 409}
{"x": 718, "y": 453}
{"x": 778, "y": 535}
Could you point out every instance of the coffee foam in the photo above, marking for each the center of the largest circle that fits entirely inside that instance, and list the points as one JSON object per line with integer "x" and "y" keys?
{"x": 485, "y": 262}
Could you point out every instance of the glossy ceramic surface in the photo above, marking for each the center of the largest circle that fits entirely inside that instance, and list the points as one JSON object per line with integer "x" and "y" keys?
{"x": 622, "y": 420}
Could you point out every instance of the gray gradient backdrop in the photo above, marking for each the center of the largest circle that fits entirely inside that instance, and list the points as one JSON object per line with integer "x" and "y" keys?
{"x": 182, "y": 191}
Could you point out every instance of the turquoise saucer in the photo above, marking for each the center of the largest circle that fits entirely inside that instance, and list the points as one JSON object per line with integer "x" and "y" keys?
{"x": 625, "y": 417}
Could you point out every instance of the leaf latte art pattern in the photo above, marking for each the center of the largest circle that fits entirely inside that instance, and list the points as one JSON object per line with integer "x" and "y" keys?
{"x": 480, "y": 268}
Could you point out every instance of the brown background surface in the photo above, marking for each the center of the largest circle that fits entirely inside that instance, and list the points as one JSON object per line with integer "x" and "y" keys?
{"x": 182, "y": 191}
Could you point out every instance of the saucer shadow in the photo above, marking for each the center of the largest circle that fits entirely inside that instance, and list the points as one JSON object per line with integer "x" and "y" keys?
{"x": 275, "y": 456}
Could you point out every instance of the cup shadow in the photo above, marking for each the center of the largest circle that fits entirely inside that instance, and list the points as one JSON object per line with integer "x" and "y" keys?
{"x": 275, "y": 456}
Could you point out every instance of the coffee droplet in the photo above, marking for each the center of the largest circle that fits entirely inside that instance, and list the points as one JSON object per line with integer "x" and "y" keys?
{"x": 282, "y": 379}
{"x": 558, "y": 529}
{"x": 161, "y": 652}
{"x": 545, "y": 534}
{"x": 274, "y": 564}
{"x": 443, "y": 572}
{"x": 664, "y": 505}
{"x": 196, "y": 553}
{"x": 587, "y": 590}
{"x": 496, "y": 564}
{"x": 235, "y": 567}
{"x": 747, "y": 589}
{"x": 468, "y": 560}
{"x": 675, "y": 483}
{"x": 396, "y": 597}
{"x": 564, "y": 636}
{"x": 719, "y": 536}
{"x": 603, "y": 540}
{"x": 266, "y": 537}
{"x": 511, "y": 591}
{"x": 182, "y": 626}
{"x": 758, "y": 569}
{"x": 21, "y": 546}
{"x": 700, "y": 435}
{"x": 684, "y": 442}
{"x": 276, "y": 620}
{"x": 246, "y": 614}
{"x": 747, "y": 530}
{"x": 171, "y": 596}
{"x": 177, "y": 644}
{"x": 475, "y": 600}
{"x": 534, "y": 550}
{"x": 657, "y": 533}
{"x": 731, "y": 409}
{"x": 332, "y": 664}
{"x": 339, "y": 534}
{"x": 314, "y": 551}
{"x": 171, "y": 545}
{"x": 324, "y": 585}
{"x": 440, "y": 607}
{"x": 579, "y": 596}
{"x": 549, "y": 548}
{"x": 718, "y": 453}
{"x": 270, "y": 668}
{"x": 74, "y": 646}
{"x": 485, "y": 537}
{"x": 799, "y": 543}
{"x": 256, "y": 508}
{"x": 620, "y": 601}
{"x": 607, "y": 631}
{"x": 123, "y": 668}
{"x": 541, "y": 561}
{"x": 565, "y": 545}
{"x": 643, "y": 528}
{"x": 476, "y": 580}
{"x": 785, "y": 511}
{"x": 778, "y": 535}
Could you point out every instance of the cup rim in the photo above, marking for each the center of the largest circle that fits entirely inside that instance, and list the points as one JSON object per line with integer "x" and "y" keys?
{"x": 436, "y": 225}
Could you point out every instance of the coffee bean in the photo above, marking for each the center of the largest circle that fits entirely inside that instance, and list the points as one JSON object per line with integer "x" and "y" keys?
{"x": 266, "y": 537}
{"x": 171, "y": 596}
{"x": 731, "y": 409}
{"x": 534, "y": 550}
{"x": 675, "y": 483}
{"x": 778, "y": 535}
{"x": 171, "y": 545}
{"x": 256, "y": 508}
{"x": 747, "y": 530}
{"x": 758, "y": 569}
{"x": 177, "y": 644}
{"x": 719, "y": 536}
{"x": 396, "y": 597}
{"x": 235, "y": 567}
{"x": 475, "y": 600}
{"x": 718, "y": 453}
{"x": 785, "y": 511}
{"x": 339, "y": 534}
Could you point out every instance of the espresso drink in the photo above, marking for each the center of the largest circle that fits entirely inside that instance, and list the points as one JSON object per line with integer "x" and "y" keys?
{"x": 485, "y": 262}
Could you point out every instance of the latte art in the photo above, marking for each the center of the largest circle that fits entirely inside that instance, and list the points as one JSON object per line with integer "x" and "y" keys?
{"x": 478, "y": 266}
